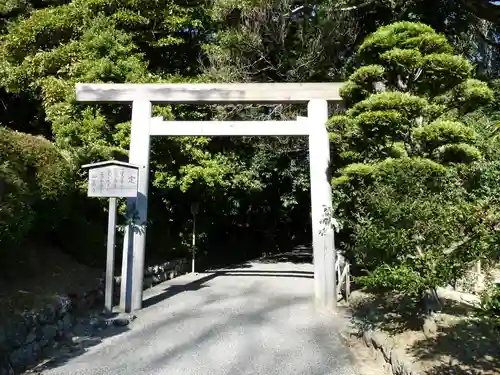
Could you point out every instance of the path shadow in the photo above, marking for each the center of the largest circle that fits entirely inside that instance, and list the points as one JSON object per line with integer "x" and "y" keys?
{"x": 198, "y": 284}
{"x": 300, "y": 254}
{"x": 226, "y": 321}
{"x": 269, "y": 273}
{"x": 173, "y": 290}
{"x": 230, "y": 267}
{"x": 472, "y": 343}
{"x": 255, "y": 318}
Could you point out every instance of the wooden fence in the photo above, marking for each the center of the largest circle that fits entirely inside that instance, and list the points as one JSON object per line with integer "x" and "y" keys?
{"x": 342, "y": 268}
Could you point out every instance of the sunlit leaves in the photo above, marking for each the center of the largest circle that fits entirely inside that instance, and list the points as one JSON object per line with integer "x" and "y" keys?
{"x": 407, "y": 35}
{"x": 410, "y": 79}
{"x": 467, "y": 96}
{"x": 409, "y": 105}
{"x": 457, "y": 153}
{"x": 401, "y": 200}
{"x": 383, "y": 126}
{"x": 362, "y": 83}
{"x": 402, "y": 60}
{"x": 439, "y": 133}
{"x": 442, "y": 72}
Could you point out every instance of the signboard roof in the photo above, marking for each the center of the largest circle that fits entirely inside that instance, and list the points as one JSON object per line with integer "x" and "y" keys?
{"x": 110, "y": 162}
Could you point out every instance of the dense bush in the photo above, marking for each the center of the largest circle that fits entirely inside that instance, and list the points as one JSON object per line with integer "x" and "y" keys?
{"x": 37, "y": 182}
{"x": 490, "y": 305}
{"x": 407, "y": 192}
{"x": 412, "y": 223}
{"x": 41, "y": 200}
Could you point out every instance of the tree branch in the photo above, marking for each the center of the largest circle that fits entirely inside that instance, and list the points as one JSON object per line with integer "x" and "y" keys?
{"x": 357, "y": 7}
{"x": 485, "y": 39}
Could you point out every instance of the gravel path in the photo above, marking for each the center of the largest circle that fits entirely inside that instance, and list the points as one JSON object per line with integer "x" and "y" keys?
{"x": 258, "y": 319}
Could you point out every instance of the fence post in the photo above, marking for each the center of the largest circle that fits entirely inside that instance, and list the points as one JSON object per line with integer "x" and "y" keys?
{"x": 348, "y": 282}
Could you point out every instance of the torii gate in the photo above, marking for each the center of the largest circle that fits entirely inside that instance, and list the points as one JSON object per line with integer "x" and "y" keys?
{"x": 143, "y": 96}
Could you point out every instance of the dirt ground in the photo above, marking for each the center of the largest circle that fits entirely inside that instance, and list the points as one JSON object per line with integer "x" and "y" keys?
{"x": 365, "y": 360}
{"x": 462, "y": 344}
{"x": 49, "y": 274}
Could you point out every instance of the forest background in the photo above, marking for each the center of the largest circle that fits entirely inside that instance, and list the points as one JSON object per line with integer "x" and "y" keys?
{"x": 414, "y": 157}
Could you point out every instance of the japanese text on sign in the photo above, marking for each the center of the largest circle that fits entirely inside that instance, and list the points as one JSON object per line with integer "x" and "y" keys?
{"x": 113, "y": 181}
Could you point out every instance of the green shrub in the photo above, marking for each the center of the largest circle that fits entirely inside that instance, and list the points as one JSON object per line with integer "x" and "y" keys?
{"x": 490, "y": 305}
{"x": 408, "y": 174}
{"x": 401, "y": 219}
{"x": 457, "y": 153}
{"x": 411, "y": 199}
{"x": 15, "y": 218}
{"x": 37, "y": 182}
{"x": 42, "y": 197}
{"x": 439, "y": 133}
{"x": 410, "y": 106}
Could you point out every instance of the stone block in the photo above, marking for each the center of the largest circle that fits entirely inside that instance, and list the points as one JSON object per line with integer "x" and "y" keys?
{"x": 429, "y": 327}
{"x": 65, "y": 306}
{"x": 67, "y": 323}
{"x": 367, "y": 338}
{"x": 30, "y": 320}
{"x": 148, "y": 282}
{"x": 49, "y": 333}
{"x": 82, "y": 329}
{"x": 32, "y": 336}
{"x": 27, "y": 337}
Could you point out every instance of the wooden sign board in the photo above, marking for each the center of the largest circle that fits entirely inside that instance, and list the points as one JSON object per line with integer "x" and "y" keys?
{"x": 112, "y": 179}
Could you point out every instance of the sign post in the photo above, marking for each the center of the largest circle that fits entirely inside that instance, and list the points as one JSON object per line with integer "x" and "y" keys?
{"x": 194, "y": 210}
{"x": 110, "y": 256}
{"x": 111, "y": 179}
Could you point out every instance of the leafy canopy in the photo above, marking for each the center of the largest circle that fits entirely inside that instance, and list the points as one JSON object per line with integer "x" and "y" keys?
{"x": 406, "y": 211}
{"x": 409, "y": 85}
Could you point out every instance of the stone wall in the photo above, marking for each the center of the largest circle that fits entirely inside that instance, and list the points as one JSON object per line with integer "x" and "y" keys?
{"x": 153, "y": 275}
{"x": 31, "y": 335}
{"x": 399, "y": 363}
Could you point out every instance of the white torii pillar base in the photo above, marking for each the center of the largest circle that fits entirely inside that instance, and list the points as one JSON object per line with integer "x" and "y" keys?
{"x": 321, "y": 203}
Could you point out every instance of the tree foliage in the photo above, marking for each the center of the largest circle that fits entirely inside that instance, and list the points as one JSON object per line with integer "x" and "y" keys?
{"x": 408, "y": 213}
{"x": 48, "y": 47}
{"x": 36, "y": 181}
{"x": 415, "y": 105}
{"x": 471, "y": 26}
